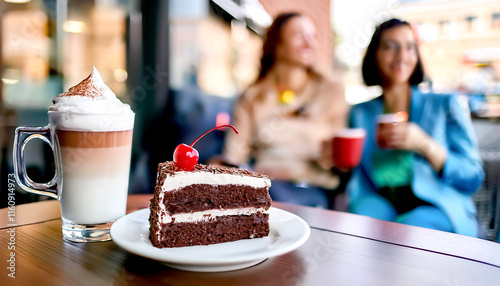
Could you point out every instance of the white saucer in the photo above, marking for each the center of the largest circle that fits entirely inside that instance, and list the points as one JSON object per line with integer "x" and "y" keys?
{"x": 287, "y": 232}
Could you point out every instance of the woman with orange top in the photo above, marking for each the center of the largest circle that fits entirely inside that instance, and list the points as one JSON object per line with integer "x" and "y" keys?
{"x": 285, "y": 116}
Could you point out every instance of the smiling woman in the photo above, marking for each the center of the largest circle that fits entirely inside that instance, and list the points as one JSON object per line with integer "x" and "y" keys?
{"x": 397, "y": 56}
{"x": 429, "y": 165}
{"x": 392, "y": 47}
{"x": 285, "y": 116}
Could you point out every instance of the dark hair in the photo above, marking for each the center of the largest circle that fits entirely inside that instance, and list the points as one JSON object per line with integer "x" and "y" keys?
{"x": 371, "y": 73}
{"x": 272, "y": 40}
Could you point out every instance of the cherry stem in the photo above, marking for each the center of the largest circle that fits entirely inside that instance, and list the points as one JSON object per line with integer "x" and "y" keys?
{"x": 220, "y": 126}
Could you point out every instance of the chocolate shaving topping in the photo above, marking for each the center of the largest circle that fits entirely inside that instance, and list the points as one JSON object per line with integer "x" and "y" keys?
{"x": 170, "y": 168}
{"x": 92, "y": 86}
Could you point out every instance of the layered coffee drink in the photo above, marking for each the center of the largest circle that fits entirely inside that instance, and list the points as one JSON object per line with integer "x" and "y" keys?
{"x": 93, "y": 133}
{"x": 96, "y": 169}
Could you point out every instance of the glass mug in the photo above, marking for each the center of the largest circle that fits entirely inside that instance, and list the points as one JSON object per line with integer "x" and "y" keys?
{"x": 92, "y": 173}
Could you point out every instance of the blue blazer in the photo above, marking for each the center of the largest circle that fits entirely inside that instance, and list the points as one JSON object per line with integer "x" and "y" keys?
{"x": 443, "y": 118}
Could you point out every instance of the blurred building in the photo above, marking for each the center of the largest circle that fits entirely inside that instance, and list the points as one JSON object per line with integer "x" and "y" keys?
{"x": 459, "y": 42}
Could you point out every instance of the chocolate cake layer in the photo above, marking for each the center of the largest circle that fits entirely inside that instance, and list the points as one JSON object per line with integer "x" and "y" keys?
{"x": 202, "y": 197}
{"x": 222, "y": 229}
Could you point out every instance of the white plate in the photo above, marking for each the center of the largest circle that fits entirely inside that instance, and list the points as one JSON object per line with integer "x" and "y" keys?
{"x": 287, "y": 232}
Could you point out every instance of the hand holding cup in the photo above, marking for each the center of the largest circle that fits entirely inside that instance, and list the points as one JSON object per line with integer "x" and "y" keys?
{"x": 392, "y": 130}
{"x": 348, "y": 147}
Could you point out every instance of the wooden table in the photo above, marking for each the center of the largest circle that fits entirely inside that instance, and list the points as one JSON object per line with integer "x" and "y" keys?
{"x": 343, "y": 249}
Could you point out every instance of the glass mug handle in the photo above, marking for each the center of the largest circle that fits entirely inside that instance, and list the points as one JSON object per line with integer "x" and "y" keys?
{"x": 22, "y": 137}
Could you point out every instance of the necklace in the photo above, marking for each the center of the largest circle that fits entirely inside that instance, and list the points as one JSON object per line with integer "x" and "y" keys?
{"x": 285, "y": 94}
{"x": 286, "y": 97}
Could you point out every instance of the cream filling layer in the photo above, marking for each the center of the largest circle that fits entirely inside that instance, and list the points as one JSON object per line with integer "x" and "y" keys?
{"x": 209, "y": 215}
{"x": 183, "y": 179}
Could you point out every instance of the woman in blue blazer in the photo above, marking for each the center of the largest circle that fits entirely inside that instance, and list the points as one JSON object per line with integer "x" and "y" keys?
{"x": 432, "y": 166}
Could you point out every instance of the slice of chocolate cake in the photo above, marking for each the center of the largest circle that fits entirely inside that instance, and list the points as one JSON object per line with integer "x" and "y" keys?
{"x": 208, "y": 205}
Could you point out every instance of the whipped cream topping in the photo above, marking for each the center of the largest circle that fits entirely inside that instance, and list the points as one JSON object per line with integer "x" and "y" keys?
{"x": 91, "y": 105}
{"x": 183, "y": 179}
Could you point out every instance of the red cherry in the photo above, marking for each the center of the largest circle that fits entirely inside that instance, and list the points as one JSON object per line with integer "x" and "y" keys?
{"x": 186, "y": 157}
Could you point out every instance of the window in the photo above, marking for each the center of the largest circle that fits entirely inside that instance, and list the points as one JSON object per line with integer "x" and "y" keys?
{"x": 495, "y": 21}
{"x": 444, "y": 27}
{"x": 471, "y": 23}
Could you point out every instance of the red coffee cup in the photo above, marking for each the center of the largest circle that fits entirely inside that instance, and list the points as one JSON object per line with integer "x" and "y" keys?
{"x": 385, "y": 122}
{"x": 348, "y": 147}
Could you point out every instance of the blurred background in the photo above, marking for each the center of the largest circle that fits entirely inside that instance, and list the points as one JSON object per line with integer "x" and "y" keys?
{"x": 180, "y": 64}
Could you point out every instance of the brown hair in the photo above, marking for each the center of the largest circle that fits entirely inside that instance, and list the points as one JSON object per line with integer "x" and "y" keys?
{"x": 272, "y": 40}
{"x": 371, "y": 74}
